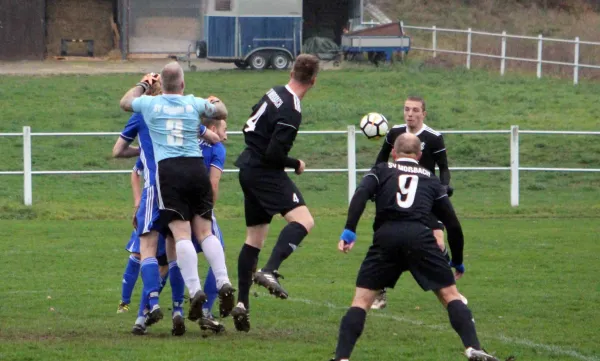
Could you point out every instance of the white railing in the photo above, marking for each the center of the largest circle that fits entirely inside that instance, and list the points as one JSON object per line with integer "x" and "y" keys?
{"x": 503, "y": 57}
{"x": 351, "y": 169}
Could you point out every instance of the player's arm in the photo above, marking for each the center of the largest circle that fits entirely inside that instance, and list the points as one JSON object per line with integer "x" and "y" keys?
{"x": 211, "y": 107}
{"x": 142, "y": 87}
{"x": 281, "y": 142}
{"x": 215, "y": 177}
{"x": 217, "y": 163}
{"x": 122, "y": 147}
{"x": 441, "y": 159}
{"x": 443, "y": 210}
{"x": 136, "y": 188}
{"x": 386, "y": 149}
{"x": 365, "y": 191}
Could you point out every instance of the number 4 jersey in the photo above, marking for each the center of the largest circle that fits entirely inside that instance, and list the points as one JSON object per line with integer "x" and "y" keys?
{"x": 271, "y": 130}
{"x": 405, "y": 191}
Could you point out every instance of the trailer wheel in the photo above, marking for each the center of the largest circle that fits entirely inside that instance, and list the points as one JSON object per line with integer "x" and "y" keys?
{"x": 259, "y": 61}
{"x": 280, "y": 61}
{"x": 241, "y": 64}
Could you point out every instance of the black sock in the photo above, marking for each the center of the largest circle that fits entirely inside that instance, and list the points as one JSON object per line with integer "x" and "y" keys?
{"x": 351, "y": 328}
{"x": 289, "y": 238}
{"x": 461, "y": 320}
{"x": 246, "y": 267}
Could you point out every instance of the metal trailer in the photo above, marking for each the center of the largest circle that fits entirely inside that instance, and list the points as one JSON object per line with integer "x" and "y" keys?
{"x": 380, "y": 42}
{"x": 255, "y": 33}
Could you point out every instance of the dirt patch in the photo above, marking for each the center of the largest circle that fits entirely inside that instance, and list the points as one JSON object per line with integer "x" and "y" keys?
{"x": 79, "y": 19}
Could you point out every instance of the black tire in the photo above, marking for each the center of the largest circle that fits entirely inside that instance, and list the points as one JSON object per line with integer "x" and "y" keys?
{"x": 280, "y": 61}
{"x": 241, "y": 64}
{"x": 259, "y": 61}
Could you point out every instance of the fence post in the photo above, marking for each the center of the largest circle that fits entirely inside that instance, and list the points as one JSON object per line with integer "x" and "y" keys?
{"x": 539, "y": 59}
{"x": 469, "y": 43}
{"x": 351, "y": 161}
{"x": 434, "y": 40}
{"x": 503, "y": 54}
{"x": 576, "y": 62}
{"x": 27, "y": 191}
{"x": 514, "y": 165}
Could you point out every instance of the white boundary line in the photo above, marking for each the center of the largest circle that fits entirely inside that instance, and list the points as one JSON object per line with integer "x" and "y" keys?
{"x": 550, "y": 349}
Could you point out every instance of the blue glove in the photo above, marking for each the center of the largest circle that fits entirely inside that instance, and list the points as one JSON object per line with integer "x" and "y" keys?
{"x": 460, "y": 267}
{"x": 348, "y": 236}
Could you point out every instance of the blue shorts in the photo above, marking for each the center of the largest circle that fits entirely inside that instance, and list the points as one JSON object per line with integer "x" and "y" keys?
{"x": 216, "y": 231}
{"x": 133, "y": 246}
{"x": 147, "y": 214}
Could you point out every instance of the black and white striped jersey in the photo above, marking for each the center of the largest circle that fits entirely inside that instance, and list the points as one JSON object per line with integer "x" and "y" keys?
{"x": 270, "y": 131}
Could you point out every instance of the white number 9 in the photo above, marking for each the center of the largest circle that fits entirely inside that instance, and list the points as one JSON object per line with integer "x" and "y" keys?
{"x": 407, "y": 184}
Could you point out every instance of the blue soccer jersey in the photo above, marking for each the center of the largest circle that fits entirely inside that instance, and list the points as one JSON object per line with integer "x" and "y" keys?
{"x": 136, "y": 127}
{"x": 214, "y": 155}
{"x": 174, "y": 122}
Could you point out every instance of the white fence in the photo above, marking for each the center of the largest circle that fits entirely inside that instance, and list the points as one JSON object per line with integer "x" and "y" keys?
{"x": 351, "y": 170}
{"x": 503, "y": 36}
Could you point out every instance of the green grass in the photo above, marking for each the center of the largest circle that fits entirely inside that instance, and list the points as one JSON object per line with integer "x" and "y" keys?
{"x": 532, "y": 270}
{"x": 528, "y": 282}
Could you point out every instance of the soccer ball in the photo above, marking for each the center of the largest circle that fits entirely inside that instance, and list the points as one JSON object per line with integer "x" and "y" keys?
{"x": 374, "y": 125}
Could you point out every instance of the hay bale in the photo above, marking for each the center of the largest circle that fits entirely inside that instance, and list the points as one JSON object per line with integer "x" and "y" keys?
{"x": 79, "y": 19}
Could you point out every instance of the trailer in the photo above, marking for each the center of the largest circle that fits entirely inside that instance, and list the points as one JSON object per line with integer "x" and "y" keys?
{"x": 252, "y": 33}
{"x": 379, "y": 42}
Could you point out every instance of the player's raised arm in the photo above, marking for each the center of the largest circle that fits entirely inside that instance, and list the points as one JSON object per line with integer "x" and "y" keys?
{"x": 122, "y": 147}
{"x": 141, "y": 88}
{"x": 443, "y": 210}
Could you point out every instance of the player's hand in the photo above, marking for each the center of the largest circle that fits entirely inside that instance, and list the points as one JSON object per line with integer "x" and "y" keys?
{"x": 459, "y": 270}
{"x": 211, "y": 137}
{"x": 150, "y": 78}
{"x": 347, "y": 240}
{"x": 449, "y": 190}
{"x": 301, "y": 167}
{"x": 134, "y": 218}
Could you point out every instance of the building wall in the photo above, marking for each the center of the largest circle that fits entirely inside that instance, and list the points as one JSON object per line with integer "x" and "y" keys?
{"x": 80, "y": 19}
{"x": 22, "y": 33}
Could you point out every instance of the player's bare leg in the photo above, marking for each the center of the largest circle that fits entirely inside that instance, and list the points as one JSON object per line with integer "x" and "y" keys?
{"x": 213, "y": 251}
{"x": 247, "y": 263}
{"x": 463, "y": 323}
{"x": 187, "y": 260}
{"x": 300, "y": 223}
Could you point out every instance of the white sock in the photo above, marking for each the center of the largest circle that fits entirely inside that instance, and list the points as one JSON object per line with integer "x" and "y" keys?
{"x": 187, "y": 260}
{"x": 213, "y": 251}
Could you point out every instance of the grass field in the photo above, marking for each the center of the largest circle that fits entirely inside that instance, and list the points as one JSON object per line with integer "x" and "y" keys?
{"x": 531, "y": 271}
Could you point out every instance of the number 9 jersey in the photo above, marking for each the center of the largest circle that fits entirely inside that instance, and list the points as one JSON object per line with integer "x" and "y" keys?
{"x": 405, "y": 191}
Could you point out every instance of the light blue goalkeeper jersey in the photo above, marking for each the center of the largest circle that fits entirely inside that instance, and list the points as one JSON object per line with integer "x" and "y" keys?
{"x": 174, "y": 123}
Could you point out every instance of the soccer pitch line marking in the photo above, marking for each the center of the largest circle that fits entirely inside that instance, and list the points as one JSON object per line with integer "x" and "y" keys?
{"x": 551, "y": 349}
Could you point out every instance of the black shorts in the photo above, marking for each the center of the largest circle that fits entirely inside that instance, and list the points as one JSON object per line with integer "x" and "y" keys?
{"x": 434, "y": 223}
{"x": 184, "y": 189}
{"x": 267, "y": 192}
{"x": 404, "y": 246}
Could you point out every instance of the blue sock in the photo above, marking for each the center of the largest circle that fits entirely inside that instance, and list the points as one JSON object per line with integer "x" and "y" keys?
{"x": 177, "y": 286}
{"x": 210, "y": 288}
{"x": 130, "y": 276}
{"x": 151, "y": 278}
{"x": 143, "y": 304}
{"x": 163, "y": 281}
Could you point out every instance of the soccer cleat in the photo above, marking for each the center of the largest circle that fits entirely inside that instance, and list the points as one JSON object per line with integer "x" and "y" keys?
{"x": 153, "y": 316}
{"x": 196, "y": 303}
{"x": 380, "y": 301}
{"x": 208, "y": 322}
{"x": 479, "y": 355}
{"x": 123, "y": 307}
{"x": 226, "y": 300}
{"x": 241, "y": 317}
{"x": 270, "y": 281}
{"x": 178, "y": 324}
{"x": 139, "y": 328}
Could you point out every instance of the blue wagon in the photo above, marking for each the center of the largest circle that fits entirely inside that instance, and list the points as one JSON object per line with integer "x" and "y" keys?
{"x": 252, "y": 33}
